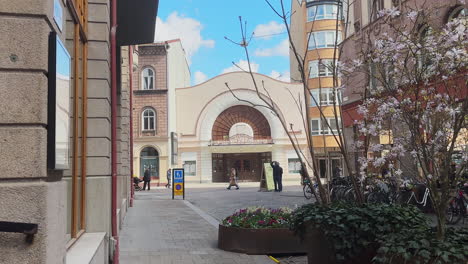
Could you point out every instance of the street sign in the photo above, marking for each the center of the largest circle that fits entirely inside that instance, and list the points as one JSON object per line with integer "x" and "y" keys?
{"x": 178, "y": 183}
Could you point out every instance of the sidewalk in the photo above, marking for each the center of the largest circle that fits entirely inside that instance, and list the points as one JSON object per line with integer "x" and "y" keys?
{"x": 157, "y": 230}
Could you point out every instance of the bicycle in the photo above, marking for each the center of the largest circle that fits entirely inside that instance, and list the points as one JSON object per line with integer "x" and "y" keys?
{"x": 307, "y": 189}
{"x": 457, "y": 208}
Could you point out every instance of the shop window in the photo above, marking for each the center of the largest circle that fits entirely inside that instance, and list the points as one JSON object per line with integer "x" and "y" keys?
{"x": 190, "y": 167}
{"x": 294, "y": 165}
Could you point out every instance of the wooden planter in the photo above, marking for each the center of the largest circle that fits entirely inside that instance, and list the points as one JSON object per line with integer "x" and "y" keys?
{"x": 319, "y": 250}
{"x": 259, "y": 241}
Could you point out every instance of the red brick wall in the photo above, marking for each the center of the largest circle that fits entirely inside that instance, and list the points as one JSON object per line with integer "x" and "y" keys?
{"x": 155, "y": 57}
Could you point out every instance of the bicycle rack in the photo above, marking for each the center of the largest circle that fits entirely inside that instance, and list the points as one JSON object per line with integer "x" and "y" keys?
{"x": 28, "y": 229}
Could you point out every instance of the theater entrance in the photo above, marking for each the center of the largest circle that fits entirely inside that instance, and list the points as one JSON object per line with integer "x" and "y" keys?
{"x": 248, "y": 165}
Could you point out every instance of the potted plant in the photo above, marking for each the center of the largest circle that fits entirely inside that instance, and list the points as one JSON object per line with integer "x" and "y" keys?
{"x": 258, "y": 230}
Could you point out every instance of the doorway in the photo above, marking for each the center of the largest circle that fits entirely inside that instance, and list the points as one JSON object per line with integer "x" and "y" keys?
{"x": 248, "y": 166}
{"x": 149, "y": 159}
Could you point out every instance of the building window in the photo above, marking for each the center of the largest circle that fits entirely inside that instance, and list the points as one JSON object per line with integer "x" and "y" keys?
{"x": 319, "y": 12}
{"x": 324, "y": 39}
{"x": 149, "y": 119}
{"x": 322, "y": 68}
{"x": 294, "y": 165}
{"x": 324, "y": 97}
{"x": 190, "y": 167}
{"x": 147, "y": 79}
{"x": 423, "y": 59}
{"x": 374, "y": 7}
{"x": 320, "y": 127}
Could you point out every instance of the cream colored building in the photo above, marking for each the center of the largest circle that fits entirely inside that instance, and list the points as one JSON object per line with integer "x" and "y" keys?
{"x": 216, "y": 131}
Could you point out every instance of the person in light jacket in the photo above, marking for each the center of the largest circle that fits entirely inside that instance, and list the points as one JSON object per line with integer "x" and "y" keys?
{"x": 233, "y": 179}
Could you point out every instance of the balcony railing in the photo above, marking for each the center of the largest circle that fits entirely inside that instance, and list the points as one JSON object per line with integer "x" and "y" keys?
{"x": 241, "y": 139}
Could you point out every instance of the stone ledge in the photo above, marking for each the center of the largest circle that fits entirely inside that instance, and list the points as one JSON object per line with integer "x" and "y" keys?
{"x": 87, "y": 248}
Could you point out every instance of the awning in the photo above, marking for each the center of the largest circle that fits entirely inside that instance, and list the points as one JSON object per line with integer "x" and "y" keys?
{"x": 136, "y": 21}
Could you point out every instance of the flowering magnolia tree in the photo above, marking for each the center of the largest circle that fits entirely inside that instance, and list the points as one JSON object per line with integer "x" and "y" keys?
{"x": 417, "y": 95}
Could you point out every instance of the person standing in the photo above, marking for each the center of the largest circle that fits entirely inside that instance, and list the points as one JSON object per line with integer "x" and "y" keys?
{"x": 233, "y": 179}
{"x": 277, "y": 176}
{"x": 168, "y": 185}
{"x": 146, "y": 179}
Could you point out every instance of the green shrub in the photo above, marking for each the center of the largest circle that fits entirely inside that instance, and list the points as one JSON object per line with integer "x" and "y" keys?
{"x": 353, "y": 229}
{"x": 259, "y": 217}
{"x": 422, "y": 247}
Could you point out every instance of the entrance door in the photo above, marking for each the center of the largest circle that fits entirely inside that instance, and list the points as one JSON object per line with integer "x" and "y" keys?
{"x": 248, "y": 166}
{"x": 149, "y": 159}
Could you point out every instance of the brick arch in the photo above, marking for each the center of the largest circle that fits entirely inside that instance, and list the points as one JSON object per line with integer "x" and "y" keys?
{"x": 241, "y": 114}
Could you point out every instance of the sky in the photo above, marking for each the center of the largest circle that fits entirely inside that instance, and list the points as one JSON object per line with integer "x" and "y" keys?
{"x": 202, "y": 26}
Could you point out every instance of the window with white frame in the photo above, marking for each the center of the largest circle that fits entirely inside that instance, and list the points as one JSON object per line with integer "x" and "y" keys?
{"x": 319, "y": 12}
{"x": 374, "y": 6}
{"x": 321, "y": 68}
{"x": 320, "y": 127}
{"x": 190, "y": 167}
{"x": 294, "y": 166}
{"x": 324, "y": 97}
{"x": 147, "y": 79}
{"x": 149, "y": 119}
{"x": 324, "y": 39}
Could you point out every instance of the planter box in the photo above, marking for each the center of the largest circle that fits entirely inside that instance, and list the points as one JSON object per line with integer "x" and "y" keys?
{"x": 320, "y": 251}
{"x": 259, "y": 241}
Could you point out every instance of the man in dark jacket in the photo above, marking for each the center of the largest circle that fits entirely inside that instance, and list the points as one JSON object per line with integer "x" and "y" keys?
{"x": 146, "y": 179}
{"x": 277, "y": 176}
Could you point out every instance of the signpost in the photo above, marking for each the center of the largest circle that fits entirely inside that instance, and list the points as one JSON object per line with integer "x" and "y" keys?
{"x": 178, "y": 183}
{"x": 266, "y": 183}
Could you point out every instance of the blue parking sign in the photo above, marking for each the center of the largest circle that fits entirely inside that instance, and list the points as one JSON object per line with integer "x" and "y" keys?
{"x": 178, "y": 180}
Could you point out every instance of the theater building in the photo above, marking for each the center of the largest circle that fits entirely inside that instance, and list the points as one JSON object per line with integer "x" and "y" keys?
{"x": 216, "y": 131}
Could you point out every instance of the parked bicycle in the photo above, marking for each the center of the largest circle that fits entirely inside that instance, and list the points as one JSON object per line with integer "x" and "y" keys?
{"x": 458, "y": 206}
{"x": 424, "y": 203}
{"x": 307, "y": 189}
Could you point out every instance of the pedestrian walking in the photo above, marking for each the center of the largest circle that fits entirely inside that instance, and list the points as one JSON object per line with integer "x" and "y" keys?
{"x": 168, "y": 185}
{"x": 233, "y": 179}
{"x": 277, "y": 176}
{"x": 146, "y": 179}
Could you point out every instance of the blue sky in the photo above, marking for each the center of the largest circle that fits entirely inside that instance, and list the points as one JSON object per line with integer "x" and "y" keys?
{"x": 203, "y": 24}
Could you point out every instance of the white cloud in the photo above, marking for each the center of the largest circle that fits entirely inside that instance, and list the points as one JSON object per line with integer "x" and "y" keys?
{"x": 187, "y": 29}
{"x": 281, "y": 49}
{"x": 199, "y": 77}
{"x": 267, "y": 30}
{"x": 244, "y": 65}
{"x": 285, "y": 76}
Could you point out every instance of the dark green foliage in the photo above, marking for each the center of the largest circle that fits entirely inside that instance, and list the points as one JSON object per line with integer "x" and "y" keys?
{"x": 353, "y": 228}
{"x": 421, "y": 247}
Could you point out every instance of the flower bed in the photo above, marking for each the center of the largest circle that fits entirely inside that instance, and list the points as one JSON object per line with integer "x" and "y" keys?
{"x": 259, "y": 217}
{"x": 259, "y": 231}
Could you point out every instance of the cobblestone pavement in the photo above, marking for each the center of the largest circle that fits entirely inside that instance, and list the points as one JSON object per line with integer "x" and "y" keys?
{"x": 212, "y": 199}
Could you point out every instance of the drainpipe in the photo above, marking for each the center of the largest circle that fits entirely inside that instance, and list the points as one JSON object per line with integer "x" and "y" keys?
{"x": 130, "y": 81}
{"x": 114, "y": 128}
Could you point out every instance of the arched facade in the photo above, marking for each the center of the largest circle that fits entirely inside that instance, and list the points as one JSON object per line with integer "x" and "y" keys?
{"x": 241, "y": 114}
{"x": 204, "y": 131}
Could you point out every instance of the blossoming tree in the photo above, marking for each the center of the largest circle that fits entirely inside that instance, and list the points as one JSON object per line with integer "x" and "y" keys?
{"x": 417, "y": 95}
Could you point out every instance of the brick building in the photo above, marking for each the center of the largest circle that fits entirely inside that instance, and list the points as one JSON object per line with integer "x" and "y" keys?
{"x": 160, "y": 69}
{"x": 364, "y": 24}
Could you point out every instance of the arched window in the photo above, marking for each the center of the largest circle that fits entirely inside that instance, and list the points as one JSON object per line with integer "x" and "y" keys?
{"x": 458, "y": 12}
{"x": 147, "y": 79}
{"x": 424, "y": 59}
{"x": 149, "y": 119}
